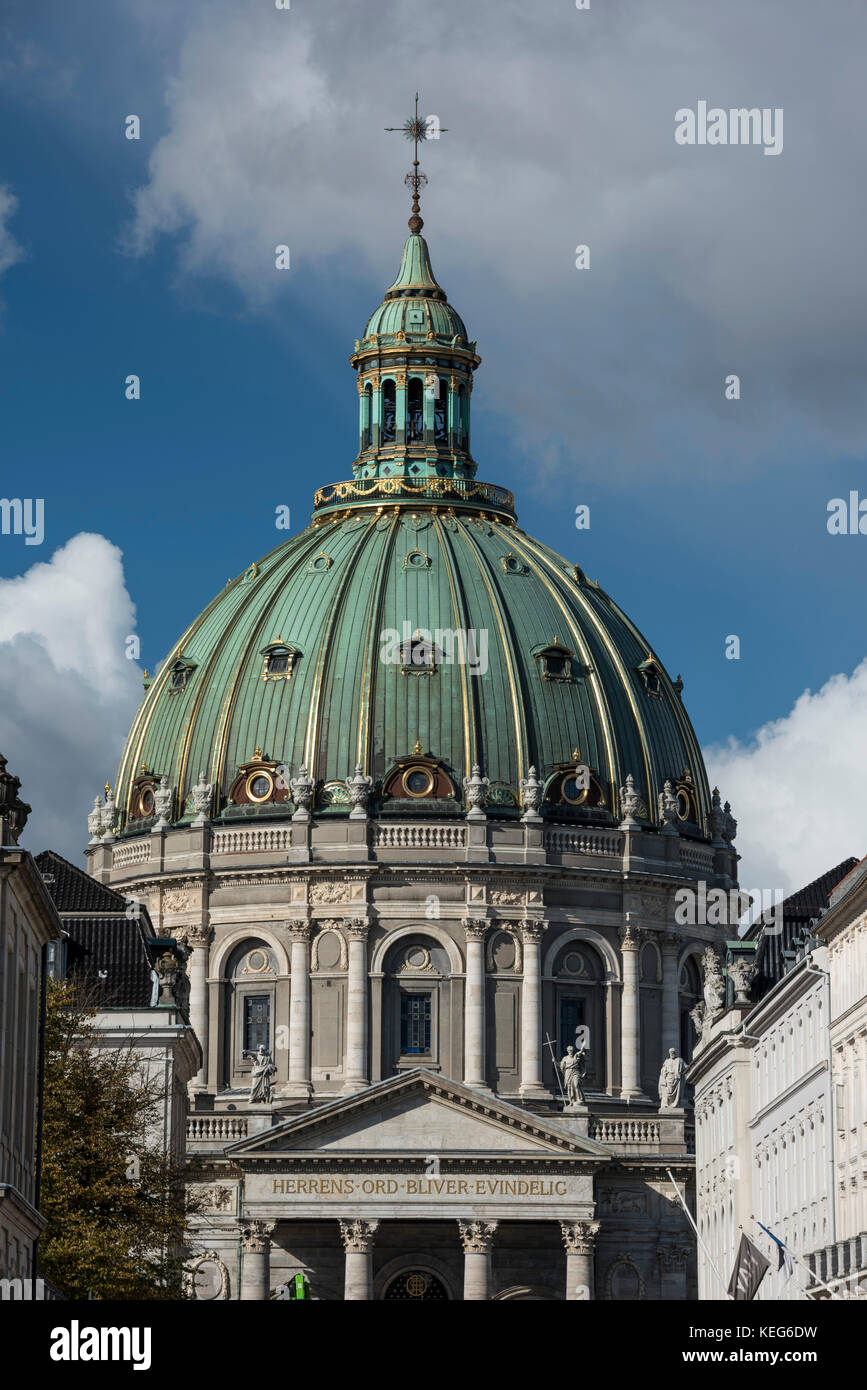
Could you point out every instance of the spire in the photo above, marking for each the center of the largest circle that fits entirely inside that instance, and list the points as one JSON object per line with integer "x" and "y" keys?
{"x": 415, "y": 128}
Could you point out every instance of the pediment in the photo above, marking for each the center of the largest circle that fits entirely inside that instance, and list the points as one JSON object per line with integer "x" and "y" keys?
{"x": 419, "y": 1113}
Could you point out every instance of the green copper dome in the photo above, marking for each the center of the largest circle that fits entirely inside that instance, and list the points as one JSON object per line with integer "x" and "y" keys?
{"x": 413, "y": 618}
{"x": 415, "y": 304}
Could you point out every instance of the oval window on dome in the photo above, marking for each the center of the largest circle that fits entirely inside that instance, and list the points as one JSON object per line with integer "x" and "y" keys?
{"x": 260, "y": 786}
{"x": 418, "y": 781}
{"x": 573, "y": 791}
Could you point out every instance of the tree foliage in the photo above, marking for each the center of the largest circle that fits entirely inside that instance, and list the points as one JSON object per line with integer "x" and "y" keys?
{"x": 115, "y": 1205}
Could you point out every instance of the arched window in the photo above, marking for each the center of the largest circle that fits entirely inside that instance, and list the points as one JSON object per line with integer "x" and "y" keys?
{"x": 690, "y": 992}
{"x": 441, "y": 412}
{"x": 416, "y": 1005}
{"x": 415, "y": 410}
{"x": 389, "y": 409}
{"x": 367, "y": 430}
{"x": 464, "y": 418}
{"x": 249, "y": 1006}
{"x": 579, "y": 1011}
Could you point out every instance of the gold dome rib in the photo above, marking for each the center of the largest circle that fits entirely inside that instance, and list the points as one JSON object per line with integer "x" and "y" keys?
{"x": 152, "y": 701}
{"x": 616, "y": 661}
{"x": 602, "y": 708}
{"x": 315, "y": 714}
{"x": 508, "y": 650}
{"x": 364, "y": 753}
{"x": 470, "y": 723}
{"x": 221, "y": 739}
{"x": 680, "y": 715}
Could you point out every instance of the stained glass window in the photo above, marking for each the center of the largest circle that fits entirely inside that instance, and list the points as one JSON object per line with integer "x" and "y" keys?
{"x": 415, "y": 1014}
{"x": 257, "y": 1022}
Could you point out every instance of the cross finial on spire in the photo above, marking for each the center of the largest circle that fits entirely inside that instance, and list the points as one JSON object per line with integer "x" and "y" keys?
{"x": 416, "y": 128}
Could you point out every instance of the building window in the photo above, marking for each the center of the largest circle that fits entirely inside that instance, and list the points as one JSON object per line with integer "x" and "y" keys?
{"x": 388, "y": 411}
{"x": 464, "y": 418}
{"x": 257, "y": 1022}
{"x": 367, "y": 431}
{"x": 571, "y": 1019}
{"x": 419, "y": 657}
{"x": 179, "y": 675}
{"x": 415, "y": 1016}
{"x": 280, "y": 658}
{"x": 555, "y": 661}
{"x": 415, "y": 410}
{"x": 441, "y": 413}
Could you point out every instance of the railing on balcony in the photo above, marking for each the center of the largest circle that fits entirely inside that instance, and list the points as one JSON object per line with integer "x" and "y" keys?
{"x": 612, "y": 1131}
{"x": 252, "y": 839}
{"x": 419, "y": 836}
{"x": 217, "y": 1129}
{"x": 591, "y": 842}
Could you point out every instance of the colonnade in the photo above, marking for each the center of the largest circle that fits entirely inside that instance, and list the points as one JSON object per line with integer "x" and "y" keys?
{"x": 477, "y": 1238}
{"x": 475, "y": 929}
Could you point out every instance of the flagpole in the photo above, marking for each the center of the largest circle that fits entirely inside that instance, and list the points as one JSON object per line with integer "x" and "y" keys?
{"x": 697, "y": 1236}
{"x": 796, "y": 1260}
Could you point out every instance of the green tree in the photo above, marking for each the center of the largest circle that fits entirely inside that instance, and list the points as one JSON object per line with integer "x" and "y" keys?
{"x": 115, "y": 1205}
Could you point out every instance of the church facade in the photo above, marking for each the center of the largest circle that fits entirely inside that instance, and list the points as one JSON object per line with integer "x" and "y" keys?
{"x": 413, "y": 797}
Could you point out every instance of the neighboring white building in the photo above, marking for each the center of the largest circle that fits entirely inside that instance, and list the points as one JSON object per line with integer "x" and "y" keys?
{"x": 844, "y": 930}
{"x": 142, "y": 987}
{"x": 28, "y": 922}
{"x": 767, "y": 1142}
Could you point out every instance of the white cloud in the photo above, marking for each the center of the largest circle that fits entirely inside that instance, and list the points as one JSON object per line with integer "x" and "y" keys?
{"x": 797, "y": 787}
{"x": 10, "y": 251}
{"x": 560, "y": 131}
{"x": 67, "y": 691}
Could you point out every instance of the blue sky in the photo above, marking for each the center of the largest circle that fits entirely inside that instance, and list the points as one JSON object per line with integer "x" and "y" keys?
{"x": 602, "y": 387}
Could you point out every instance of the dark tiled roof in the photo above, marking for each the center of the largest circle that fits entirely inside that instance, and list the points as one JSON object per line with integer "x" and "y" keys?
{"x": 73, "y": 890}
{"x": 117, "y": 948}
{"x": 101, "y": 938}
{"x": 797, "y": 912}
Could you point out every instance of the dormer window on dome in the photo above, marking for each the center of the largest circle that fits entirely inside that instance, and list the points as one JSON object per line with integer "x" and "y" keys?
{"x": 651, "y": 673}
{"x": 179, "y": 675}
{"x": 555, "y": 661}
{"x": 419, "y": 656}
{"x": 280, "y": 658}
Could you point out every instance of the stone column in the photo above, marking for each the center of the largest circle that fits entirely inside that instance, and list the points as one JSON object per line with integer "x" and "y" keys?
{"x": 356, "y": 1005}
{"x": 299, "y": 1011}
{"x": 630, "y": 1027}
{"x": 670, "y": 993}
{"x": 256, "y": 1259}
{"x": 579, "y": 1237}
{"x": 358, "y": 1243}
{"x": 199, "y": 940}
{"x": 475, "y": 929}
{"x": 477, "y": 1237}
{"x": 531, "y": 1011}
